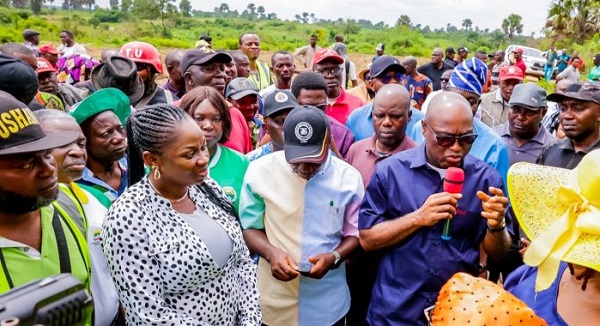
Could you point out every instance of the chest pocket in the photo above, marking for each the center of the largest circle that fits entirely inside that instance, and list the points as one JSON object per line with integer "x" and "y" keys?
{"x": 334, "y": 220}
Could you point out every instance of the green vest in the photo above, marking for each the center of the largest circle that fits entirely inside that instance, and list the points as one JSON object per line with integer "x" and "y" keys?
{"x": 64, "y": 250}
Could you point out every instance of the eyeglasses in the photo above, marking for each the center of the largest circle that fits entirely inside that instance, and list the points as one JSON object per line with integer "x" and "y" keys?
{"x": 387, "y": 78}
{"x": 445, "y": 80}
{"x": 524, "y": 111}
{"x": 325, "y": 71}
{"x": 449, "y": 140}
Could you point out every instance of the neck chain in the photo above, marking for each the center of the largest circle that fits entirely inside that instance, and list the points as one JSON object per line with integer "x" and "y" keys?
{"x": 174, "y": 201}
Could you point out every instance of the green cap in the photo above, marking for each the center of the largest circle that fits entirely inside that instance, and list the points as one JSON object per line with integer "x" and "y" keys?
{"x": 103, "y": 100}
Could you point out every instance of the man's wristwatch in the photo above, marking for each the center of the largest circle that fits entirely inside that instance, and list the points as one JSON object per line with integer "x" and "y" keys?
{"x": 338, "y": 259}
{"x": 497, "y": 229}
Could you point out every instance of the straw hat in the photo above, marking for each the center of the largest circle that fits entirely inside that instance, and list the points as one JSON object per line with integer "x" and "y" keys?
{"x": 559, "y": 210}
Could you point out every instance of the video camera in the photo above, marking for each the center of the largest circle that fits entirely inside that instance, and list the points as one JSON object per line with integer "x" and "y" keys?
{"x": 54, "y": 301}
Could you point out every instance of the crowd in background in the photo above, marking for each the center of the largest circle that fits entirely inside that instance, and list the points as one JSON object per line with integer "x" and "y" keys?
{"x": 243, "y": 192}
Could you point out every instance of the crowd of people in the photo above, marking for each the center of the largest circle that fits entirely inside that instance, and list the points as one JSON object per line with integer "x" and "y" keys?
{"x": 243, "y": 192}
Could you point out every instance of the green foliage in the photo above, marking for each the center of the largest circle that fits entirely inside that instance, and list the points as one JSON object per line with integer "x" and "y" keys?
{"x": 512, "y": 25}
{"x": 576, "y": 20}
{"x": 108, "y": 16}
{"x": 5, "y": 16}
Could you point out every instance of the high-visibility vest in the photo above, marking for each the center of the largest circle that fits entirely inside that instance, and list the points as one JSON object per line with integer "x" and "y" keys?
{"x": 263, "y": 79}
{"x": 61, "y": 215}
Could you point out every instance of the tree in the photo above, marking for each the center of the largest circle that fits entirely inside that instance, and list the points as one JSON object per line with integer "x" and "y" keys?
{"x": 512, "y": 25}
{"x": 222, "y": 9}
{"x": 260, "y": 12}
{"x": 404, "y": 20}
{"x": 36, "y": 6}
{"x": 126, "y": 5}
{"x": 576, "y": 20}
{"x": 114, "y": 4}
{"x": 19, "y": 3}
{"x": 153, "y": 9}
{"x": 185, "y": 8}
{"x": 496, "y": 38}
{"x": 350, "y": 27}
{"x": 467, "y": 24}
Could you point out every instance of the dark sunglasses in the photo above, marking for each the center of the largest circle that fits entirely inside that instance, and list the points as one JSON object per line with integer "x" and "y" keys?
{"x": 449, "y": 140}
{"x": 386, "y": 79}
{"x": 444, "y": 80}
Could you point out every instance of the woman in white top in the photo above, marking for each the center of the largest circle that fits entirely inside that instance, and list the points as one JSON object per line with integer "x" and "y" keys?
{"x": 172, "y": 241}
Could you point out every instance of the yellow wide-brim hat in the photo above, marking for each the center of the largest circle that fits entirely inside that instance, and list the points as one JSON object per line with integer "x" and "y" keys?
{"x": 559, "y": 210}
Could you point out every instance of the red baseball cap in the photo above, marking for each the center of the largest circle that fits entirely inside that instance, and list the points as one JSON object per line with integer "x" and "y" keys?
{"x": 511, "y": 72}
{"x": 44, "y": 65}
{"x": 48, "y": 48}
{"x": 325, "y": 54}
{"x": 517, "y": 50}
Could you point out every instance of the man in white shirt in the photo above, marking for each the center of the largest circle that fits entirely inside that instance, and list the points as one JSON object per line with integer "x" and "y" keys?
{"x": 69, "y": 46}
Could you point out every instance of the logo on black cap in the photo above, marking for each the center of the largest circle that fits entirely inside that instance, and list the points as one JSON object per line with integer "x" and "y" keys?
{"x": 303, "y": 131}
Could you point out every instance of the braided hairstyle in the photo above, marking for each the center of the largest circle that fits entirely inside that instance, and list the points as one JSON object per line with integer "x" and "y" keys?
{"x": 585, "y": 276}
{"x": 150, "y": 129}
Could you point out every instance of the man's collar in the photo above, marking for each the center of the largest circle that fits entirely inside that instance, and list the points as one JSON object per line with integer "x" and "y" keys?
{"x": 499, "y": 98}
{"x": 568, "y": 144}
{"x": 420, "y": 159}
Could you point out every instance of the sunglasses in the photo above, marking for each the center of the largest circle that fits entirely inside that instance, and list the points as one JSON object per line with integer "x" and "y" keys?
{"x": 449, "y": 140}
{"x": 386, "y": 79}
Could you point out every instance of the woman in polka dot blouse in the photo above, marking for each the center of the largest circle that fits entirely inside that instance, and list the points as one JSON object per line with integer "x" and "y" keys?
{"x": 172, "y": 241}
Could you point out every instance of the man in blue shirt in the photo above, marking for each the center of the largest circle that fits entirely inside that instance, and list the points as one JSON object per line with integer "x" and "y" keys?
{"x": 404, "y": 211}
{"x": 384, "y": 70}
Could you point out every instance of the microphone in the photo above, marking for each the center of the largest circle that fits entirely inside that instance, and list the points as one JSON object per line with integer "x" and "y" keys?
{"x": 453, "y": 183}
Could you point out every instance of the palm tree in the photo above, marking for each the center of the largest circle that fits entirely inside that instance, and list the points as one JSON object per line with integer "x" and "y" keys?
{"x": 511, "y": 25}
{"x": 577, "y": 20}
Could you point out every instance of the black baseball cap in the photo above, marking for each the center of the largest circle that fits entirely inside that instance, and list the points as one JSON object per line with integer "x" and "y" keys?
{"x": 450, "y": 50}
{"x": 21, "y": 132}
{"x": 278, "y": 101}
{"x": 383, "y": 63}
{"x": 306, "y": 135}
{"x": 18, "y": 79}
{"x": 463, "y": 49}
{"x": 200, "y": 56}
{"x": 583, "y": 91}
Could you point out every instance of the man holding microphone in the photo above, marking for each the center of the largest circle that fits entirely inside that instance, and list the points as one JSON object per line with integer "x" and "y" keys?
{"x": 405, "y": 209}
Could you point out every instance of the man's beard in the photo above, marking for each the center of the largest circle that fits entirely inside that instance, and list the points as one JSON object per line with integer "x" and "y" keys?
{"x": 13, "y": 203}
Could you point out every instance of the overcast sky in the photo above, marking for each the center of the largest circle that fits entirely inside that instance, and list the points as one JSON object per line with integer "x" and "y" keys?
{"x": 435, "y": 13}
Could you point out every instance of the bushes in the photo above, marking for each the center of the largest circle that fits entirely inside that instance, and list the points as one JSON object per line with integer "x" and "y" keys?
{"x": 107, "y": 16}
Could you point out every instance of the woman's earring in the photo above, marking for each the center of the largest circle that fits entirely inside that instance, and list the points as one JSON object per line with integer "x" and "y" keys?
{"x": 156, "y": 173}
